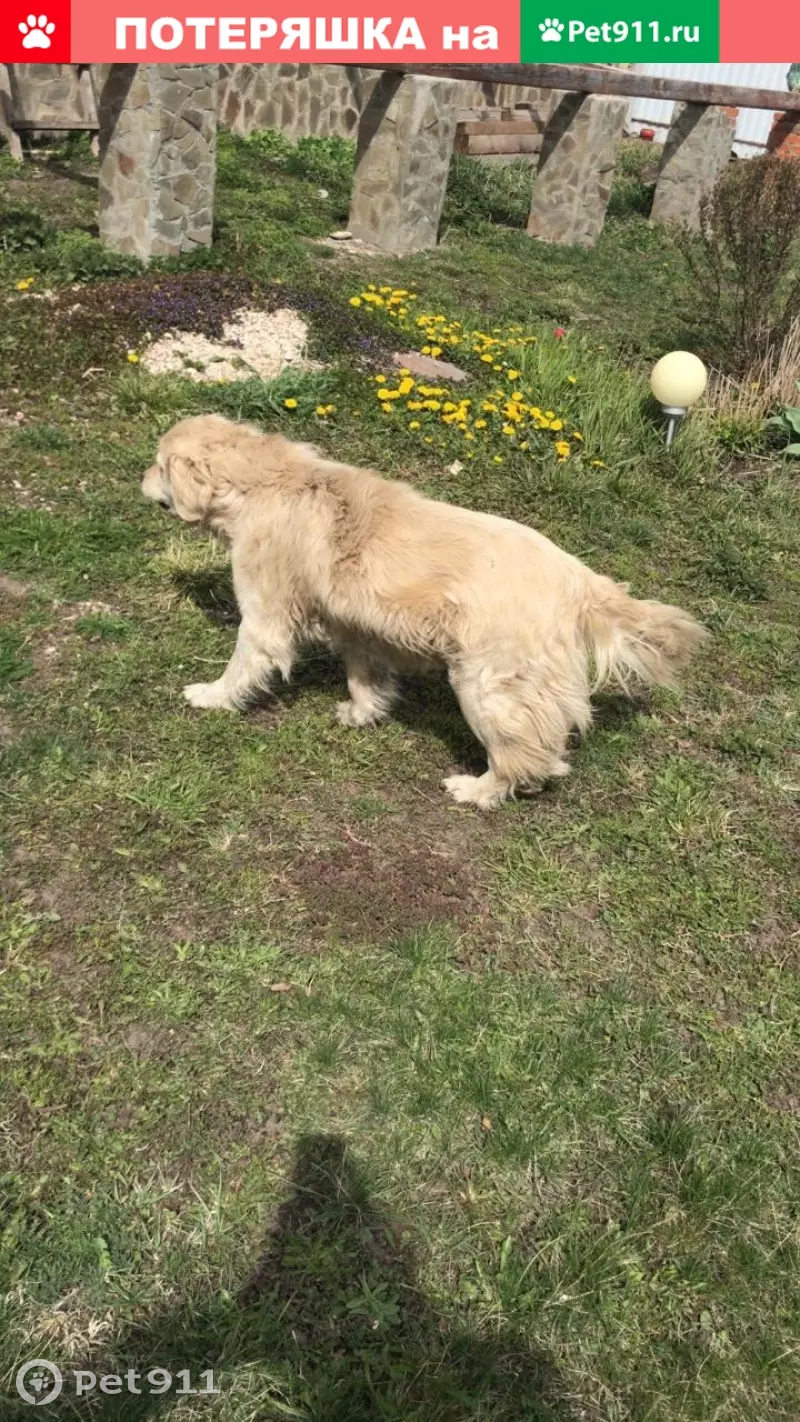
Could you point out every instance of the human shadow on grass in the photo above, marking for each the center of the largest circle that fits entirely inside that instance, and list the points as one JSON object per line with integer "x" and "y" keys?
{"x": 427, "y": 703}
{"x": 332, "y": 1326}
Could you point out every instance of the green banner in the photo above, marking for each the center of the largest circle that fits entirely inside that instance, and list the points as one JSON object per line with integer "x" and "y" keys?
{"x": 619, "y": 31}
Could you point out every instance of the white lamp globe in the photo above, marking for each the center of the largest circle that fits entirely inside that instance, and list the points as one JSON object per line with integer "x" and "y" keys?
{"x": 678, "y": 380}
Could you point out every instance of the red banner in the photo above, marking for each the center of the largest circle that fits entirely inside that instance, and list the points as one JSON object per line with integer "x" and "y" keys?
{"x": 97, "y": 32}
{"x": 133, "y": 31}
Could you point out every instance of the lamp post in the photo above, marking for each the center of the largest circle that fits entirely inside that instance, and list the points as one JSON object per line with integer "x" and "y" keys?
{"x": 677, "y": 382}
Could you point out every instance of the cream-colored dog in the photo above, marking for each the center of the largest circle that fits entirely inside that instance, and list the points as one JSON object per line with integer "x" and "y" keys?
{"x": 396, "y": 581}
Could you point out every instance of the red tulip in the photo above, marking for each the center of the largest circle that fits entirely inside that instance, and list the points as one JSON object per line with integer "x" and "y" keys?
{"x": 559, "y": 333}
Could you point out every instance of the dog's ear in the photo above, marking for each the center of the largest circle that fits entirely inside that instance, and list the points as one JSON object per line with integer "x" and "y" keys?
{"x": 192, "y": 486}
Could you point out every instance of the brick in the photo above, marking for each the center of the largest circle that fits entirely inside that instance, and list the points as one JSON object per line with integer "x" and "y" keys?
{"x": 784, "y": 138}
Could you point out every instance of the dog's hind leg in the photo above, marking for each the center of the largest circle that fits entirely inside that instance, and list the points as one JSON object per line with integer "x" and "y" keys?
{"x": 372, "y": 687}
{"x": 523, "y": 719}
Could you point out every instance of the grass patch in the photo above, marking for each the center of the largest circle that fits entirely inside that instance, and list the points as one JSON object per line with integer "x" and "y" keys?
{"x": 373, "y": 1107}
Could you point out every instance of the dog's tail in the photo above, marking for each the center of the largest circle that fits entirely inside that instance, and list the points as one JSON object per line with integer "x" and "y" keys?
{"x": 632, "y": 641}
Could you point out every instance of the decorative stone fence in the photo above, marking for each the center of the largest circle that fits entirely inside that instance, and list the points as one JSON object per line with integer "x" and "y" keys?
{"x": 698, "y": 148}
{"x": 299, "y": 99}
{"x": 158, "y": 134}
{"x": 158, "y": 126}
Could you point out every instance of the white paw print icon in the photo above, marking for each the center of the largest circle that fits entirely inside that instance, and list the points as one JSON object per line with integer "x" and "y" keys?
{"x": 39, "y": 1382}
{"x": 36, "y": 32}
{"x": 551, "y": 30}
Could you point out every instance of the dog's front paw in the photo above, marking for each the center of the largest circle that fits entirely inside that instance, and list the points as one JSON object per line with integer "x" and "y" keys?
{"x": 480, "y": 790}
{"x": 358, "y": 717}
{"x": 208, "y": 696}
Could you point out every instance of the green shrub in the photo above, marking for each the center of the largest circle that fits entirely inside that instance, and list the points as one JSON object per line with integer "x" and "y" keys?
{"x": 76, "y": 256}
{"x": 746, "y": 277}
{"x": 328, "y": 162}
{"x": 787, "y": 427}
{"x": 487, "y": 192}
{"x": 22, "y": 230}
{"x": 634, "y": 180}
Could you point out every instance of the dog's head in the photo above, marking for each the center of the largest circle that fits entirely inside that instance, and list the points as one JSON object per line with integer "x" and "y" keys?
{"x": 207, "y": 466}
{"x": 199, "y": 472}
{"x": 191, "y": 476}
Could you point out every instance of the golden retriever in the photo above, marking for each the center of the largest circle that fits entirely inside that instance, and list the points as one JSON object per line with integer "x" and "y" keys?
{"x": 395, "y": 581}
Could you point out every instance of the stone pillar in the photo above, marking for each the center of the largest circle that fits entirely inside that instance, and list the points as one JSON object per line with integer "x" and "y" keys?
{"x": 158, "y": 132}
{"x": 405, "y": 142}
{"x": 697, "y": 151}
{"x": 7, "y": 115}
{"x": 576, "y": 169}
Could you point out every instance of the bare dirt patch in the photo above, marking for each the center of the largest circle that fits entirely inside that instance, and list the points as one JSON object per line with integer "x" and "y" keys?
{"x": 146, "y": 1042}
{"x": 12, "y": 589}
{"x": 8, "y": 732}
{"x": 421, "y": 865}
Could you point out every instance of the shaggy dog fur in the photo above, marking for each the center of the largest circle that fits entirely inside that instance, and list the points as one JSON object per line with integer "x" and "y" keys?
{"x": 395, "y": 582}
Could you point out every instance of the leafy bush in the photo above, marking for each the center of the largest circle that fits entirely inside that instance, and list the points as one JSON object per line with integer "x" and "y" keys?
{"x": 22, "y": 230}
{"x": 76, "y": 256}
{"x": 744, "y": 264}
{"x": 487, "y": 192}
{"x": 635, "y": 179}
{"x": 328, "y": 162}
{"x": 787, "y": 424}
{"x": 323, "y": 163}
{"x": 270, "y": 145}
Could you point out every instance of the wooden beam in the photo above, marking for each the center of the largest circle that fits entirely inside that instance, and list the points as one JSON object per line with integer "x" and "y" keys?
{"x": 602, "y": 79}
{"x": 56, "y": 125}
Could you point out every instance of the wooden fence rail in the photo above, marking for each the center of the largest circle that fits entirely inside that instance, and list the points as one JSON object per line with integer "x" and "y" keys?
{"x": 600, "y": 79}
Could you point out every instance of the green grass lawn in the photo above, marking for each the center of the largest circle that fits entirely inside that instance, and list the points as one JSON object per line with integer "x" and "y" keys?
{"x": 376, "y": 1107}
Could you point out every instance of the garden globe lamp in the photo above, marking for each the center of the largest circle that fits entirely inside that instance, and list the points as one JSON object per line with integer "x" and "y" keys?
{"x": 677, "y": 382}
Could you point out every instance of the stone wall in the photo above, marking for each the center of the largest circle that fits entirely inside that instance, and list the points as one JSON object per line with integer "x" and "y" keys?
{"x": 41, "y": 94}
{"x": 328, "y": 99}
{"x": 298, "y": 99}
{"x": 37, "y": 95}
